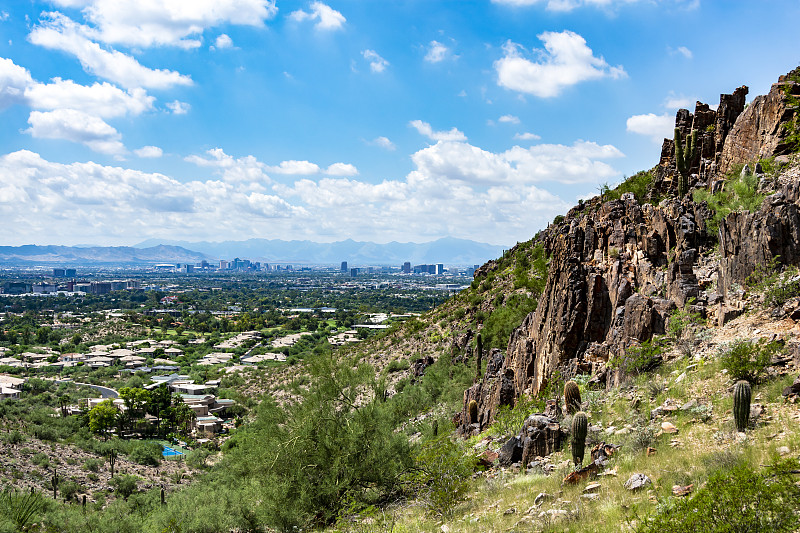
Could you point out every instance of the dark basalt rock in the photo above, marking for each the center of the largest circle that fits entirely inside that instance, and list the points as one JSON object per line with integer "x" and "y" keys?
{"x": 618, "y": 269}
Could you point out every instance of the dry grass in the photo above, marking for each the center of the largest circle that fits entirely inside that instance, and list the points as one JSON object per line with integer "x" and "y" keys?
{"x": 706, "y": 441}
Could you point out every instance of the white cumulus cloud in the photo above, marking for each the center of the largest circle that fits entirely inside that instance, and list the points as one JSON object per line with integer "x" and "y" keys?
{"x": 178, "y": 108}
{"x": 76, "y": 126}
{"x": 376, "y": 62}
{"x": 14, "y": 81}
{"x": 508, "y": 119}
{"x": 566, "y": 61}
{"x": 425, "y": 129}
{"x": 231, "y": 169}
{"x": 527, "y": 136}
{"x": 384, "y": 143}
{"x": 146, "y": 23}
{"x": 149, "y": 152}
{"x": 463, "y": 162}
{"x": 654, "y": 126}
{"x": 57, "y": 32}
{"x": 100, "y": 99}
{"x": 223, "y": 41}
{"x": 45, "y": 202}
{"x": 341, "y": 169}
{"x": 326, "y": 17}
{"x": 436, "y": 52}
{"x": 296, "y": 168}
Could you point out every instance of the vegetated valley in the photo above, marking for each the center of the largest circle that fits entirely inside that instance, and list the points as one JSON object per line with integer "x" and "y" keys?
{"x": 633, "y": 367}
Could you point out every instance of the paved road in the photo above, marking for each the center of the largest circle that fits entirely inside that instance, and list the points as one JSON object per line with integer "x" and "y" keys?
{"x": 105, "y": 392}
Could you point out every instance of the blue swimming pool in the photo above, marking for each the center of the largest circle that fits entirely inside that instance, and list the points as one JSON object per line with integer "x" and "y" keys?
{"x": 168, "y": 452}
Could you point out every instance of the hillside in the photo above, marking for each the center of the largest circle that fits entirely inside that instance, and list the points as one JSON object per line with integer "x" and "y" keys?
{"x": 652, "y": 273}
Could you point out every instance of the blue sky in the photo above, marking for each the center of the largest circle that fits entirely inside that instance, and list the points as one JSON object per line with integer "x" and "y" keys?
{"x": 372, "y": 120}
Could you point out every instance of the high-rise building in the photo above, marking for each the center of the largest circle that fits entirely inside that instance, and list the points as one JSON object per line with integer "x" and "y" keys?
{"x": 59, "y": 273}
{"x": 406, "y": 267}
{"x": 439, "y": 269}
{"x": 344, "y": 266}
{"x": 354, "y": 272}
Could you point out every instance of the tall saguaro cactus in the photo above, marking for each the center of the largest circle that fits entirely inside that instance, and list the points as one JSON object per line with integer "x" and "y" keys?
{"x": 741, "y": 405}
{"x": 572, "y": 396}
{"x": 54, "y": 482}
{"x": 580, "y": 424}
{"x": 683, "y": 159}
{"x": 479, "y": 358}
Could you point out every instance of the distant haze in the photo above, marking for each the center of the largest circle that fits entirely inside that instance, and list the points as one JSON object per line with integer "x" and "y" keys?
{"x": 445, "y": 250}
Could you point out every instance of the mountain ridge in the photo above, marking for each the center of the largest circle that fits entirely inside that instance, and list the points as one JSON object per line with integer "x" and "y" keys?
{"x": 32, "y": 253}
{"x": 444, "y": 250}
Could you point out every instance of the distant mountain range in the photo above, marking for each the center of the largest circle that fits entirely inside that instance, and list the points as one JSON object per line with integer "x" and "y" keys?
{"x": 74, "y": 255}
{"x": 446, "y": 250}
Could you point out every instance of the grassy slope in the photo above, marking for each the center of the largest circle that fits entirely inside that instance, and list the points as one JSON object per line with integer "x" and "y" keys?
{"x": 503, "y": 500}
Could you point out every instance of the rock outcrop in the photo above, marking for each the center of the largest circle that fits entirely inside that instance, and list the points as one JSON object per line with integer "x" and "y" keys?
{"x": 607, "y": 287}
{"x": 759, "y": 132}
{"x": 750, "y": 239}
{"x": 713, "y": 128}
{"x": 617, "y": 269}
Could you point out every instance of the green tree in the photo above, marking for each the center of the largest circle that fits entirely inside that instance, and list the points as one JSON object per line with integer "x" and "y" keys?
{"x": 335, "y": 447}
{"x": 102, "y": 417}
{"x": 160, "y": 400}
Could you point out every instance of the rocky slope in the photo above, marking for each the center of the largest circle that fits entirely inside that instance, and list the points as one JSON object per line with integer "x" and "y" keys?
{"x": 619, "y": 268}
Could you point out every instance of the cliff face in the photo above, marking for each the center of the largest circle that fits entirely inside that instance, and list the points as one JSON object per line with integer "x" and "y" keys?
{"x": 760, "y": 131}
{"x": 617, "y": 269}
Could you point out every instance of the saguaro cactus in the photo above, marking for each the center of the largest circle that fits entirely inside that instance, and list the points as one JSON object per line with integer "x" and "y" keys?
{"x": 54, "y": 483}
{"x": 683, "y": 159}
{"x": 112, "y": 459}
{"x": 580, "y": 423}
{"x": 741, "y": 404}
{"x": 479, "y": 358}
{"x": 473, "y": 412}
{"x": 572, "y": 396}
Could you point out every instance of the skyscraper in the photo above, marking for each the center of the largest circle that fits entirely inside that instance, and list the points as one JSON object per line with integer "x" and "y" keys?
{"x": 344, "y": 266}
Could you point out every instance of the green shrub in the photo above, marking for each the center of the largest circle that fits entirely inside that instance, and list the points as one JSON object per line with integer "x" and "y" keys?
{"x": 530, "y": 270}
{"x": 41, "y": 459}
{"x": 681, "y": 320}
{"x": 504, "y": 320}
{"x": 93, "y": 465}
{"x": 780, "y": 291}
{"x": 69, "y": 489}
{"x": 638, "y": 358}
{"x": 735, "y": 499}
{"x": 146, "y": 453}
{"x": 442, "y": 475}
{"x": 508, "y": 420}
{"x": 312, "y": 457}
{"x": 747, "y": 360}
{"x": 14, "y": 438}
{"x": 124, "y": 485}
{"x": 740, "y": 194}
{"x": 398, "y": 365}
{"x": 639, "y": 184}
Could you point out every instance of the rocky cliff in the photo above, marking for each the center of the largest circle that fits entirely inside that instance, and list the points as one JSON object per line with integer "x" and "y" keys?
{"x": 618, "y": 268}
